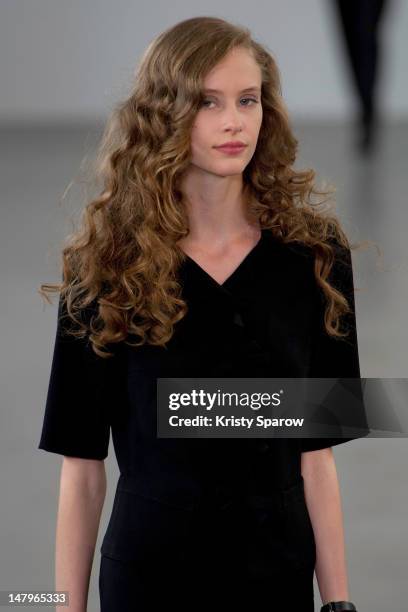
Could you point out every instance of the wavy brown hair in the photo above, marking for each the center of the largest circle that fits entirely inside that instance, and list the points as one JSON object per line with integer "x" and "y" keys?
{"x": 124, "y": 258}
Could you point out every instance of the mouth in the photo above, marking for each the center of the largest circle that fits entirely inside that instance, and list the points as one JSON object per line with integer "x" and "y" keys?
{"x": 231, "y": 148}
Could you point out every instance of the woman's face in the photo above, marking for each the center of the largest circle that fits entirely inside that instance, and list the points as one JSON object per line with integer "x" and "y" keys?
{"x": 232, "y": 113}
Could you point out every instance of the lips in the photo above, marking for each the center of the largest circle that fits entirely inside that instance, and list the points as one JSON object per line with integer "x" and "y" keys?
{"x": 232, "y": 145}
{"x": 231, "y": 148}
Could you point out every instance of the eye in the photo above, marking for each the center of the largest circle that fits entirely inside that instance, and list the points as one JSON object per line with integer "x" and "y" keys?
{"x": 250, "y": 100}
{"x": 206, "y": 101}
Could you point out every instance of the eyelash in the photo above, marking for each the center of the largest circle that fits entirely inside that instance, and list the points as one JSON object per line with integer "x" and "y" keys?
{"x": 251, "y": 99}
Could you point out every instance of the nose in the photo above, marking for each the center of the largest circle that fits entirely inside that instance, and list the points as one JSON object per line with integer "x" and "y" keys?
{"x": 233, "y": 120}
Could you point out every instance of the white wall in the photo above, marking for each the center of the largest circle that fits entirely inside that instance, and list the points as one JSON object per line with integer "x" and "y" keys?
{"x": 71, "y": 59}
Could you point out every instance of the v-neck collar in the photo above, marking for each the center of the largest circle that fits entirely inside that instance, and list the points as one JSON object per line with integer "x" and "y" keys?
{"x": 238, "y": 268}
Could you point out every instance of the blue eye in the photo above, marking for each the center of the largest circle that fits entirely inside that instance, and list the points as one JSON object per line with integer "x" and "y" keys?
{"x": 203, "y": 103}
{"x": 250, "y": 100}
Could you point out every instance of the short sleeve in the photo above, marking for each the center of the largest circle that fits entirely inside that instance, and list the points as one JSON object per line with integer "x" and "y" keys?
{"x": 80, "y": 392}
{"x": 332, "y": 357}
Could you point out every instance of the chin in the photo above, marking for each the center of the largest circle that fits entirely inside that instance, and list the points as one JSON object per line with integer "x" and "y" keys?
{"x": 224, "y": 174}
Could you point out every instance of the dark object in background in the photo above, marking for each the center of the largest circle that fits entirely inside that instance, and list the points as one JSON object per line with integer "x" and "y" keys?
{"x": 360, "y": 21}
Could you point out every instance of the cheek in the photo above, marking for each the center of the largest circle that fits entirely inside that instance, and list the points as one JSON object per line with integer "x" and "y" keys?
{"x": 201, "y": 138}
{"x": 258, "y": 121}
{"x": 255, "y": 133}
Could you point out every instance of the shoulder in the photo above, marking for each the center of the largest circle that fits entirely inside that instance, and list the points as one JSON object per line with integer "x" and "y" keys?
{"x": 301, "y": 258}
{"x": 341, "y": 272}
{"x": 341, "y": 254}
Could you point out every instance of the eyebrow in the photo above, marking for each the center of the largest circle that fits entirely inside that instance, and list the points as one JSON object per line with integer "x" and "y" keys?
{"x": 255, "y": 88}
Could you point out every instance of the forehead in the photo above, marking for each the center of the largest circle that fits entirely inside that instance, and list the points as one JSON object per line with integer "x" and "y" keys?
{"x": 238, "y": 71}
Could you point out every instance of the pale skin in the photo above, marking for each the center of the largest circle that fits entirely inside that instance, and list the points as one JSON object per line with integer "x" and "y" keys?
{"x": 81, "y": 499}
{"x": 322, "y": 493}
{"x": 220, "y": 237}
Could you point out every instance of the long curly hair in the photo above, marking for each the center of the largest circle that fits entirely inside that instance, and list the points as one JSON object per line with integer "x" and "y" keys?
{"x": 124, "y": 257}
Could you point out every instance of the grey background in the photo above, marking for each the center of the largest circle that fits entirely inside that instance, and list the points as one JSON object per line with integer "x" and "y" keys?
{"x": 63, "y": 65}
{"x": 70, "y": 60}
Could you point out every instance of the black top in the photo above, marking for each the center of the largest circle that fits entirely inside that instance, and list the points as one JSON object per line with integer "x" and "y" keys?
{"x": 265, "y": 320}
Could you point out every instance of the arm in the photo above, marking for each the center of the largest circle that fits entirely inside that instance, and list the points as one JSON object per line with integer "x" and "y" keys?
{"x": 324, "y": 504}
{"x": 81, "y": 498}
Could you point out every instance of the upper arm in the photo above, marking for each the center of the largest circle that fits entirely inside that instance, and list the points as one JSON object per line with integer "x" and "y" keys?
{"x": 337, "y": 358}
{"x": 81, "y": 393}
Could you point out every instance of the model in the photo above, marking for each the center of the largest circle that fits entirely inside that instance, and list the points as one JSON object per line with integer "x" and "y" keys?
{"x": 206, "y": 254}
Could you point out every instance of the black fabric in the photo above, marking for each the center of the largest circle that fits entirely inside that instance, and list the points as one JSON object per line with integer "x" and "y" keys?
{"x": 195, "y": 556}
{"x": 332, "y": 357}
{"x": 80, "y": 395}
{"x": 360, "y": 22}
{"x": 265, "y": 320}
{"x": 199, "y": 589}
